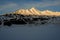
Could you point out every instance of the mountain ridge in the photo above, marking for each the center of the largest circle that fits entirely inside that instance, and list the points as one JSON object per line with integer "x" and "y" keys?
{"x": 34, "y": 11}
{"x": 17, "y": 18}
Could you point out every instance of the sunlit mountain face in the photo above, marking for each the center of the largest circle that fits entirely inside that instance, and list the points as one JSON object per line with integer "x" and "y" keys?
{"x": 34, "y": 11}
{"x": 30, "y": 16}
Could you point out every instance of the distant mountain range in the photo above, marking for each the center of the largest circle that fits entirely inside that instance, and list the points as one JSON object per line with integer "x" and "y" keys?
{"x": 34, "y": 11}
{"x": 30, "y": 16}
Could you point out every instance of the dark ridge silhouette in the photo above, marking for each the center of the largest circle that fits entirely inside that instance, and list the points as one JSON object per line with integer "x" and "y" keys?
{"x": 42, "y": 19}
{"x": 23, "y": 19}
{"x": 28, "y": 20}
{"x": 0, "y": 22}
{"x": 35, "y": 19}
{"x": 6, "y": 22}
{"x": 22, "y": 15}
{"x": 14, "y": 21}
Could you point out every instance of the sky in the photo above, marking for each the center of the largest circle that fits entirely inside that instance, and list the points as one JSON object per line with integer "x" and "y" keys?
{"x": 7, "y": 6}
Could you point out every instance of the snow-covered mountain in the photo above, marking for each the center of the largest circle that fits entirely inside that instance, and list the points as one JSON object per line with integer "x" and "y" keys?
{"x": 31, "y": 11}
{"x": 34, "y": 11}
{"x": 30, "y": 16}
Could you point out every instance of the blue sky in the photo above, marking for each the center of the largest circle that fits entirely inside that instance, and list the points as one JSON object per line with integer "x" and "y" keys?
{"x": 12, "y": 5}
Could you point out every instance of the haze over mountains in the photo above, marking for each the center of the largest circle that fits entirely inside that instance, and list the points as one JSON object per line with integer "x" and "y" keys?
{"x": 34, "y": 11}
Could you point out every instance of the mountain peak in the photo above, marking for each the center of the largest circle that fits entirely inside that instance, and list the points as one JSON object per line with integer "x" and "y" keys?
{"x": 33, "y": 8}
